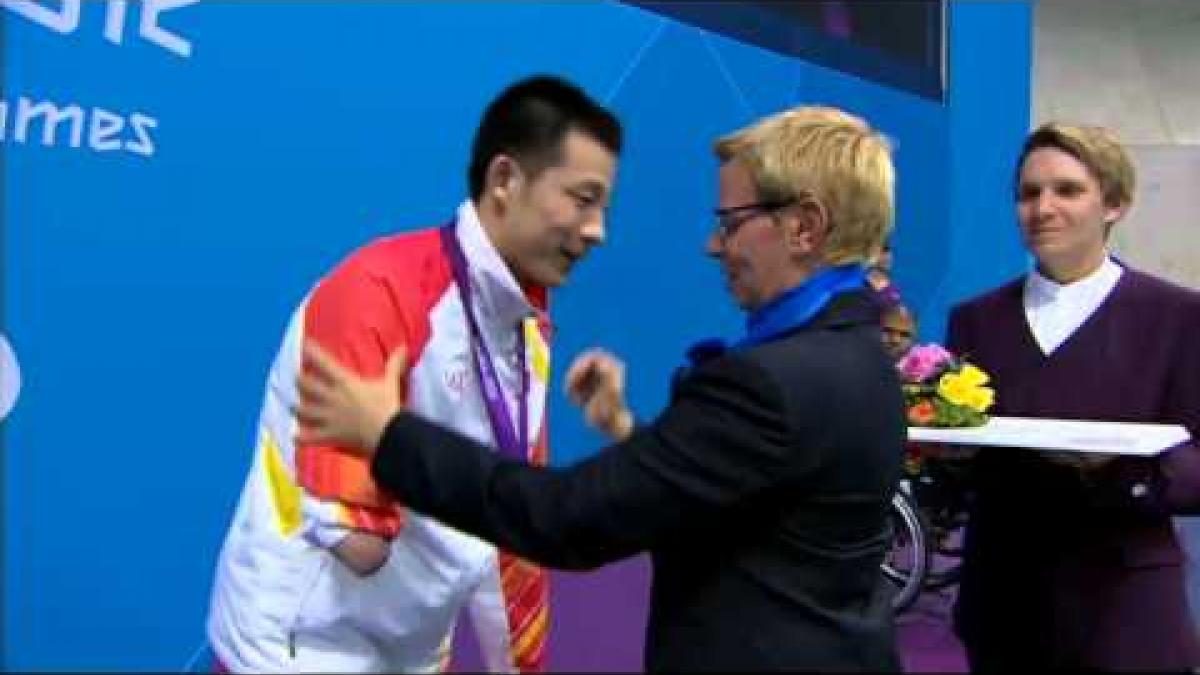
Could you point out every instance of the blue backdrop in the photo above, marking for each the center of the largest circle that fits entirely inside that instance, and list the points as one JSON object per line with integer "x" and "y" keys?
{"x": 176, "y": 175}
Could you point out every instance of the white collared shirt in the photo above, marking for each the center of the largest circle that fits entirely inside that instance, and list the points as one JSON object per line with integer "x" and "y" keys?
{"x": 1055, "y": 311}
{"x": 497, "y": 290}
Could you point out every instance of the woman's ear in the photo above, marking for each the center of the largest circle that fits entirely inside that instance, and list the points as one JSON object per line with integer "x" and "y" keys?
{"x": 807, "y": 225}
{"x": 1114, "y": 213}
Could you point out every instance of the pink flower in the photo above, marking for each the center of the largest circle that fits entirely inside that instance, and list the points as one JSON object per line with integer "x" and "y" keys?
{"x": 923, "y": 361}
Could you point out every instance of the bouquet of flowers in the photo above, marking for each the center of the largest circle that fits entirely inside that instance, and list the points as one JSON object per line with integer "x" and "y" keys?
{"x": 943, "y": 390}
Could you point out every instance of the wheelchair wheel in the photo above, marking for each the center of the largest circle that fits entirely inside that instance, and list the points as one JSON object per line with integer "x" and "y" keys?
{"x": 907, "y": 562}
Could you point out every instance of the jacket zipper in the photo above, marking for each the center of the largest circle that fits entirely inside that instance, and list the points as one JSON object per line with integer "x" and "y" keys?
{"x": 291, "y": 636}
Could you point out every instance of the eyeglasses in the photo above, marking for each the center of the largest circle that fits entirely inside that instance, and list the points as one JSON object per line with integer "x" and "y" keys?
{"x": 731, "y": 218}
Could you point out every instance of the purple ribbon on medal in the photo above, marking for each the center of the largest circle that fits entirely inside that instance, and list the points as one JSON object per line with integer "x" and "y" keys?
{"x": 510, "y": 443}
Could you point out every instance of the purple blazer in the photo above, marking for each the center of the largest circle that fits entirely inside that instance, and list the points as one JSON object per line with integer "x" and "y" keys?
{"x": 1076, "y": 568}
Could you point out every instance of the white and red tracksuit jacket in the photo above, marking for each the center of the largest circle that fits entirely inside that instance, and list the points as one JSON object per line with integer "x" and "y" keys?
{"x": 281, "y": 601}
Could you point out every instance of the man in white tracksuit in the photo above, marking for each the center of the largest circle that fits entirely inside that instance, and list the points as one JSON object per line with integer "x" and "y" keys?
{"x": 320, "y": 571}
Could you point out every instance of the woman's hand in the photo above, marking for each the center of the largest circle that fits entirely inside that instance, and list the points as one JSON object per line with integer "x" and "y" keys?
{"x": 337, "y": 407}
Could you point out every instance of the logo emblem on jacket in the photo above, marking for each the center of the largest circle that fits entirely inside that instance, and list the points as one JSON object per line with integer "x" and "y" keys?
{"x": 457, "y": 378}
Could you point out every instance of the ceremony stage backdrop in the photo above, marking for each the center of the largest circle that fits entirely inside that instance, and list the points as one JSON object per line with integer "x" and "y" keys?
{"x": 176, "y": 174}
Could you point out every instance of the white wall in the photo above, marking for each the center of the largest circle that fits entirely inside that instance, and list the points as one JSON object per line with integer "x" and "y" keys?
{"x": 1131, "y": 65}
{"x": 1134, "y": 67}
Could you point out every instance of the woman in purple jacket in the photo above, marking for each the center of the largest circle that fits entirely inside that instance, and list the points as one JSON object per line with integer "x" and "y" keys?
{"x": 1073, "y": 561}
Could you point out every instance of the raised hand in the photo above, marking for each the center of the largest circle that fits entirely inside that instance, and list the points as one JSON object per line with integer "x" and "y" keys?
{"x": 596, "y": 383}
{"x": 337, "y": 407}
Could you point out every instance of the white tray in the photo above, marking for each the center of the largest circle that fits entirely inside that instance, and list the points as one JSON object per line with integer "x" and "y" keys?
{"x": 1117, "y": 438}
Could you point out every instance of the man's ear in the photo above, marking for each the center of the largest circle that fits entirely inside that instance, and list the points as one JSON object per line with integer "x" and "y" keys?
{"x": 503, "y": 178}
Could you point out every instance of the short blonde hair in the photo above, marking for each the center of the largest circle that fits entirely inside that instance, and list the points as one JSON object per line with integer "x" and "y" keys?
{"x": 1097, "y": 148}
{"x": 831, "y": 156}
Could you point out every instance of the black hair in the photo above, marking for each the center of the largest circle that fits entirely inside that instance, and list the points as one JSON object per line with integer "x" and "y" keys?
{"x": 528, "y": 122}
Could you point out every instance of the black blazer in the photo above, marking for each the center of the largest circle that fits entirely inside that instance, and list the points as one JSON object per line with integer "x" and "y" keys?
{"x": 762, "y": 492}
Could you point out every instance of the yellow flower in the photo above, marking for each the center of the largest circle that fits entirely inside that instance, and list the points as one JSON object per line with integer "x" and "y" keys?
{"x": 973, "y": 376}
{"x": 955, "y": 389}
{"x": 963, "y": 389}
{"x": 982, "y": 398}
